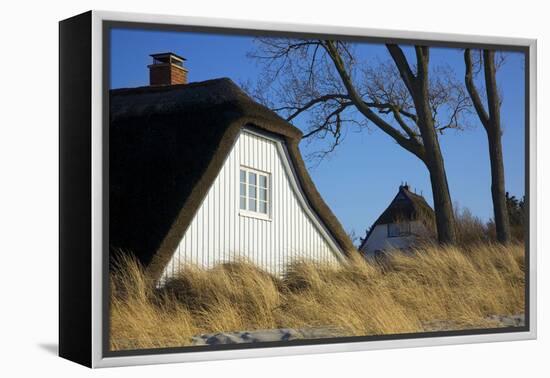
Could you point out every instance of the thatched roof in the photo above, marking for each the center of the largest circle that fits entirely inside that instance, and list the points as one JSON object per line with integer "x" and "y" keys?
{"x": 405, "y": 206}
{"x": 167, "y": 146}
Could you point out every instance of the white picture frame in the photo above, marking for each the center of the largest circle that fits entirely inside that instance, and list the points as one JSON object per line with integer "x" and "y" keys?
{"x": 97, "y": 353}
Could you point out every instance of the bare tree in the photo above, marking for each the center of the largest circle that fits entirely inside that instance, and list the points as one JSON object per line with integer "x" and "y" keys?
{"x": 490, "y": 119}
{"x": 324, "y": 79}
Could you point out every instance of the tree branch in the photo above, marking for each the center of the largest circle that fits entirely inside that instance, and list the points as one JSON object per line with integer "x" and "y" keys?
{"x": 403, "y": 124}
{"x": 336, "y": 113}
{"x": 472, "y": 90}
{"x": 311, "y": 103}
{"x": 410, "y": 145}
{"x": 493, "y": 100}
{"x": 403, "y": 67}
{"x": 422, "y": 59}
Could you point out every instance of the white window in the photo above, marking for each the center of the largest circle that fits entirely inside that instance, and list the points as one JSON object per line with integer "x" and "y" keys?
{"x": 254, "y": 192}
{"x": 399, "y": 229}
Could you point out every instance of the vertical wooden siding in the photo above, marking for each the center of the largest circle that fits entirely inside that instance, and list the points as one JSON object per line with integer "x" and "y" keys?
{"x": 219, "y": 233}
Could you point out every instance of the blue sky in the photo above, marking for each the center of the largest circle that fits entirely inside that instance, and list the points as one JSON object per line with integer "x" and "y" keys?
{"x": 362, "y": 176}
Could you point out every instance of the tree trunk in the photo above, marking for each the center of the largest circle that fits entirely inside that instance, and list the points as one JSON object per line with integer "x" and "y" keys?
{"x": 443, "y": 206}
{"x": 494, "y": 133}
{"x": 502, "y": 222}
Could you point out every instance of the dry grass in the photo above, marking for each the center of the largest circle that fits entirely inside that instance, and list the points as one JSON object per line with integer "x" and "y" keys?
{"x": 460, "y": 287}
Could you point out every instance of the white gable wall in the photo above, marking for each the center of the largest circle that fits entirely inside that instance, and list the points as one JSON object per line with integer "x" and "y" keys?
{"x": 379, "y": 240}
{"x": 219, "y": 232}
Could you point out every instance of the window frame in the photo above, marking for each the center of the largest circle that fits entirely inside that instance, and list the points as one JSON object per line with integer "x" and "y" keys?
{"x": 402, "y": 233}
{"x": 247, "y": 212}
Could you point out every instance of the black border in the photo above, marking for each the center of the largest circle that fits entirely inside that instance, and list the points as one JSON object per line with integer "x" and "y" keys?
{"x": 108, "y": 25}
{"x": 75, "y": 189}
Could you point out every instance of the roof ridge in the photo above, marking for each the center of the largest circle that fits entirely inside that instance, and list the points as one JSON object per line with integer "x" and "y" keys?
{"x": 414, "y": 196}
{"x": 166, "y": 88}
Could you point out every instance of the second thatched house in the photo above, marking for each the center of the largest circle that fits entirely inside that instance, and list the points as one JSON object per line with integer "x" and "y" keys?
{"x": 406, "y": 220}
{"x": 201, "y": 174}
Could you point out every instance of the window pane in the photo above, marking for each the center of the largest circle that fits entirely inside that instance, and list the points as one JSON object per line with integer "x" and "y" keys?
{"x": 398, "y": 229}
{"x": 251, "y": 178}
{"x": 263, "y": 194}
{"x": 263, "y": 181}
{"x": 253, "y": 191}
{"x": 252, "y": 204}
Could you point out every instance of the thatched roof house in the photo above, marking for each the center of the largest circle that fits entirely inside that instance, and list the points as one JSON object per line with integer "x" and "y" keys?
{"x": 407, "y": 218}
{"x": 181, "y": 160}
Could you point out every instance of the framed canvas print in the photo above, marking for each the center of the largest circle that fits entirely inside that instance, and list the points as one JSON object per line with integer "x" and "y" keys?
{"x": 235, "y": 189}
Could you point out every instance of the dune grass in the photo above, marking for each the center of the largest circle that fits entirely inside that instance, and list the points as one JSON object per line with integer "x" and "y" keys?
{"x": 452, "y": 287}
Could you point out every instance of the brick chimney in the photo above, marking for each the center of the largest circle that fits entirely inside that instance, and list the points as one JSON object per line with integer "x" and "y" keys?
{"x": 167, "y": 69}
